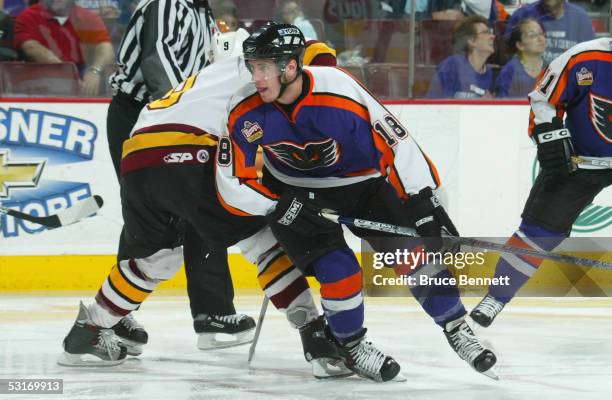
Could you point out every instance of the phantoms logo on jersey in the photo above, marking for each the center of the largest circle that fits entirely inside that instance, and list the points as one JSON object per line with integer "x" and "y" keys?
{"x": 310, "y": 156}
{"x": 601, "y": 116}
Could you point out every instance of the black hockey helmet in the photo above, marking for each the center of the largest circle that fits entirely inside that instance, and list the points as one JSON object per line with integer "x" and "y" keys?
{"x": 278, "y": 42}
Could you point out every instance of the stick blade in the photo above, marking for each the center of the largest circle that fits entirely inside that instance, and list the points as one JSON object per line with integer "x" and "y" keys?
{"x": 80, "y": 210}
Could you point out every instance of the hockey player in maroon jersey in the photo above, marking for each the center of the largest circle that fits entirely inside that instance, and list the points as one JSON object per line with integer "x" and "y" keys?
{"x": 168, "y": 178}
{"x": 575, "y": 157}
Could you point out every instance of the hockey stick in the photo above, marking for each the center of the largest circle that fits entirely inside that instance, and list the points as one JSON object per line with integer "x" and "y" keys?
{"x": 262, "y": 314}
{"x": 592, "y": 162}
{"x": 479, "y": 244}
{"x": 70, "y": 215}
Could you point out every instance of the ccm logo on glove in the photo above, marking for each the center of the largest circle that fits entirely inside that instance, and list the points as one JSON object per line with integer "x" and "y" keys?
{"x": 292, "y": 213}
{"x": 555, "y": 135}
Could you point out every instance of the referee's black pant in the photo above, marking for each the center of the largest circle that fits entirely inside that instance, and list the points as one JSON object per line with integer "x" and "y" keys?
{"x": 209, "y": 283}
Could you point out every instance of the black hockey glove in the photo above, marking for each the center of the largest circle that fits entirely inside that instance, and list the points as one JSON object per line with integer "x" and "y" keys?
{"x": 430, "y": 219}
{"x": 555, "y": 148}
{"x": 297, "y": 212}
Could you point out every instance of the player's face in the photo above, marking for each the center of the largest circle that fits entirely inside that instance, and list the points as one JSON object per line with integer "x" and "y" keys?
{"x": 533, "y": 40}
{"x": 484, "y": 39}
{"x": 265, "y": 75}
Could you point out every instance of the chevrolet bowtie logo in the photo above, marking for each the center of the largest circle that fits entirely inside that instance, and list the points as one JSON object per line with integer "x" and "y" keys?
{"x": 17, "y": 174}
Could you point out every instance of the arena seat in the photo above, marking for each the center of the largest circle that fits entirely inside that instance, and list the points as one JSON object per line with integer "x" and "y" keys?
{"x": 33, "y": 79}
{"x": 436, "y": 40}
{"x": 260, "y": 9}
{"x": 423, "y": 74}
{"x": 378, "y": 80}
{"x": 382, "y": 40}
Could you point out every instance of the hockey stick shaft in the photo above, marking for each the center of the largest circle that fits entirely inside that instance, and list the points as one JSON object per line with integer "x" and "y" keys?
{"x": 262, "y": 314}
{"x": 479, "y": 244}
{"x": 67, "y": 216}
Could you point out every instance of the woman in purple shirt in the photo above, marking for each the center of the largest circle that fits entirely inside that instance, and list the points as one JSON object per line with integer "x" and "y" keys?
{"x": 466, "y": 75}
{"x": 518, "y": 77}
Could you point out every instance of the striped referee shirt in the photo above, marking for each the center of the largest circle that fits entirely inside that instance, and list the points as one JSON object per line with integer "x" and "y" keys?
{"x": 165, "y": 42}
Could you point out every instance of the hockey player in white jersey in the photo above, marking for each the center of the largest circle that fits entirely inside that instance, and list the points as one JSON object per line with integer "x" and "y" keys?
{"x": 167, "y": 177}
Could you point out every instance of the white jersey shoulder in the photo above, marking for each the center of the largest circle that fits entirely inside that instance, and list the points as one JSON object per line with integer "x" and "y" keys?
{"x": 601, "y": 44}
{"x": 335, "y": 81}
{"x": 246, "y": 90}
{"x": 542, "y": 95}
{"x": 201, "y": 103}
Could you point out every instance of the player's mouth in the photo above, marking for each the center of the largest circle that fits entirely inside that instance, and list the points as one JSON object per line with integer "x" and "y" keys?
{"x": 261, "y": 90}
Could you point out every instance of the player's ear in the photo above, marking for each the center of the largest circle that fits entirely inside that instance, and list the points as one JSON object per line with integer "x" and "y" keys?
{"x": 293, "y": 64}
{"x": 291, "y": 67}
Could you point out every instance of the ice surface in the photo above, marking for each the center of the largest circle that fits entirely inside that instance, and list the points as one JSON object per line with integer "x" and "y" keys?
{"x": 548, "y": 349}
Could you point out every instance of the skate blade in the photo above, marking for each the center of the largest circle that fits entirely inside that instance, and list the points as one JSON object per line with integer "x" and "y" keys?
{"x": 212, "y": 341}
{"x": 491, "y": 373}
{"x": 476, "y": 327}
{"x": 133, "y": 348}
{"x": 327, "y": 368}
{"x": 85, "y": 360}
{"x": 399, "y": 378}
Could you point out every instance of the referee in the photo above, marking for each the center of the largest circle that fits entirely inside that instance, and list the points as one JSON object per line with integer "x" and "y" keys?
{"x": 167, "y": 41}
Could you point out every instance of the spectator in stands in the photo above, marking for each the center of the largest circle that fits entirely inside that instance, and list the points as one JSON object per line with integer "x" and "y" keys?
{"x": 55, "y": 31}
{"x": 291, "y": 13}
{"x": 518, "y": 77}
{"x": 7, "y": 53}
{"x": 466, "y": 74}
{"x": 565, "y": 24}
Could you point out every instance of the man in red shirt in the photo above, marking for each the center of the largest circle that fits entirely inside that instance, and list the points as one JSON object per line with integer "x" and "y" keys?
{"x": 56, "y": 31}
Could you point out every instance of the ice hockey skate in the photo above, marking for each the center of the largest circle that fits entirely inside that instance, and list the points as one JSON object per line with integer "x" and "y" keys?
{"x": 132, "y": 334}
{"x": 467, "y": 346}
{"x": 220, "y": 331}
{"x": 321, "y": 352}
{"x": 88, "y": 345}
{"x": 368, "y": 362}
{"x": 486, "y": 311}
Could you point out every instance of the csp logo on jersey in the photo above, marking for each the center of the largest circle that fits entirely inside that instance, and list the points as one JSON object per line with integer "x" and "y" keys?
{"x": 310, "y": 156}
{"x": 601, "y": 114}
{"x": 177, "y": 158}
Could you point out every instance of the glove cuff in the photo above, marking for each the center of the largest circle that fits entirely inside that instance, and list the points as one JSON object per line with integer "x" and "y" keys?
{"x": 551, "y": 136}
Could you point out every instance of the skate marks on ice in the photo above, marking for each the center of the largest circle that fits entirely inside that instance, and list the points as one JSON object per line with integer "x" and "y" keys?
{"x": 552, "y": 351}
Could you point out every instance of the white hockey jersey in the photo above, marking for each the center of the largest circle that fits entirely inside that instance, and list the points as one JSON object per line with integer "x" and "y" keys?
{"x": 179, "y": 127}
